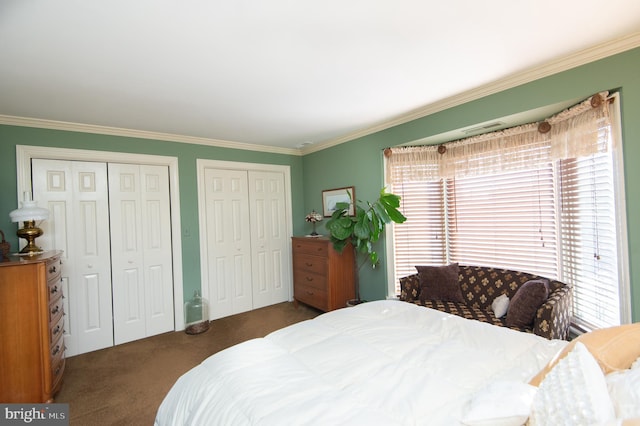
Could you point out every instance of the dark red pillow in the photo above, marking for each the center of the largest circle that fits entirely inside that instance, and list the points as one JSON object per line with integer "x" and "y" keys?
{"x": 525, "y": 303}
{"x": 440, "y": 283}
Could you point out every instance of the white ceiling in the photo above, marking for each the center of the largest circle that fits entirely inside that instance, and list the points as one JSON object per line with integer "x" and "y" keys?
{"x": 278, "y": 73}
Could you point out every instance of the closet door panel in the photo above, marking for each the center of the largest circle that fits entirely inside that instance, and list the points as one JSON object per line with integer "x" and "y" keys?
{"x": 228, "y": 272}
{"x": 156, "y": 237}
{"x": 91, "y": 254}
{"x": 269, "y": 241}
{"x": 75, "y": 193}
{"x": 127, "y": 253}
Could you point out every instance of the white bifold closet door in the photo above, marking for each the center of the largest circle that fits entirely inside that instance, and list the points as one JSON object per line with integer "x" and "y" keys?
{"x": 113, "y": 223}
{"x": 76, "y": 195}
{"x": 247, "y": 265}
{"x": 140, "y": 251}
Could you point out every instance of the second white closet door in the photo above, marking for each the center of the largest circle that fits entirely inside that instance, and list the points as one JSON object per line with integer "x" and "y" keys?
{"x": 142, "y": 272}
{"x": 246, "y": 261}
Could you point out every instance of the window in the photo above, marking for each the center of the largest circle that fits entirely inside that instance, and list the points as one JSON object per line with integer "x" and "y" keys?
{"x": 510, "y": 202}
{"x": 588, "y": 243}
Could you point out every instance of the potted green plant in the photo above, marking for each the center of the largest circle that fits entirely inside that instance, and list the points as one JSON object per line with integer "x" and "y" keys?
{"x": 363, "y": 229}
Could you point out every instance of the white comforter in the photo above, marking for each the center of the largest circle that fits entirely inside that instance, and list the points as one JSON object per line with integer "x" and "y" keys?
{"x": 379, "y": 363}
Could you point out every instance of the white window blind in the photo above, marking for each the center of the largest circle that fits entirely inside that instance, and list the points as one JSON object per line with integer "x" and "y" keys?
{"x": 421, "y": 239}
{"x": 505, "y": 220}
{"x": 589, "y": 243}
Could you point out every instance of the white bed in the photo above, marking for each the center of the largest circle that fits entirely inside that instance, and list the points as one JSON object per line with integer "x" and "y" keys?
{"x": 383, "y": 362}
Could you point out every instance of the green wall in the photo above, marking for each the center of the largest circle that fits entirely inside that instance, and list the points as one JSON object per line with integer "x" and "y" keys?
{"x": 359, "y": 162}
{"x": 10, "y": 136}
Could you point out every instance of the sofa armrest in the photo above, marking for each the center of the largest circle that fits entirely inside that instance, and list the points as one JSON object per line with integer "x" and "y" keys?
{"x": 554, "y": 316}
{"x": 409, "y": 288}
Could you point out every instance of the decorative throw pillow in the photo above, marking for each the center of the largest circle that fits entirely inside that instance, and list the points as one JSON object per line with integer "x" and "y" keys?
{"x": 574, "y": 392}
{"x": 615, "y": 349}
{"x": 526, "y": 301}
{"x": 501, "y": 403}
{"x": 500, "y": 305}
{"x": 440, "y": 283}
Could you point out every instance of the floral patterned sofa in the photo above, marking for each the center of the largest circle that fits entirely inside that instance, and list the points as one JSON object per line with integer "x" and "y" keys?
{"x": 481, "y": 285}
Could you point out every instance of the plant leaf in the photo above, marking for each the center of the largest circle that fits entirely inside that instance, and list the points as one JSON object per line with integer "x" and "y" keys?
{"x": 361, "y": 228}
{"x": 381, "y": 212}
{"x": 390, "y": 200}
{"x": 373, "y": 256}
{"x": 338, "y": 245}
{"x": 340, "y": 228}
{"x": 396, "y": 216}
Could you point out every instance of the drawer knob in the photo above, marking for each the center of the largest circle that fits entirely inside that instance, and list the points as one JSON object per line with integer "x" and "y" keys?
{"x": 54, "y": 290}
{"x": 56, "y": 330}
{"x": 310, "y": 293}
{"x": 309, "y": 279}
{"x": 52, "y": 270}
{"x": 56, "y": 350}
{"x": 55, "y": 310}
{"x": 308, "y": 264}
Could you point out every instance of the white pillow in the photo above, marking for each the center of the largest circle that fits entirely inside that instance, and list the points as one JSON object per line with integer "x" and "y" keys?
{"x": 624, "y": 389}
{"x": 500, "y": 403}
{"x": 574, "y": 392}
{"x": 500, "y": 305}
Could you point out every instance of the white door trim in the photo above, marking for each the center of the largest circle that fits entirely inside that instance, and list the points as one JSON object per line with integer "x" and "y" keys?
{"x": 201, "y": 165}
{"x": 24, "y": 154}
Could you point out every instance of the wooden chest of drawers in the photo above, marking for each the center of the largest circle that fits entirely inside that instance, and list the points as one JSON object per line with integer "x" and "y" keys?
{"x": 31, "y": 328}
{"x": 322, "y": 277}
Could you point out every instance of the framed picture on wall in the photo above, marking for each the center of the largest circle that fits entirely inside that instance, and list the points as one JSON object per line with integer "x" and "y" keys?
{"x": 331, "y": 197}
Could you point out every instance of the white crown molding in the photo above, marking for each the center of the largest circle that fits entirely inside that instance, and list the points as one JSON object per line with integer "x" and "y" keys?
{"x": 565, "y": 63}
{"x": 141, "y": 134}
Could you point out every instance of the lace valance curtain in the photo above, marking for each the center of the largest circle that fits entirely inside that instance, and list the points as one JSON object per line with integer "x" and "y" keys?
{"x": 572, "y": 133}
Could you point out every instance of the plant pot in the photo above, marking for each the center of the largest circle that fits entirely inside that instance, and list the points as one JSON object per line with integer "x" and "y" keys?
{"x": 354, "y": 302}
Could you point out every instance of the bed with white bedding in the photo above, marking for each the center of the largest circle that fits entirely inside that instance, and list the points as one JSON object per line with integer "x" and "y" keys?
{"x": 383, "y": 362}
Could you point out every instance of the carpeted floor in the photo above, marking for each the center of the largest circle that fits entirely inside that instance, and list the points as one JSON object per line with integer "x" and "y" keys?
{"x": 125, "y": 384}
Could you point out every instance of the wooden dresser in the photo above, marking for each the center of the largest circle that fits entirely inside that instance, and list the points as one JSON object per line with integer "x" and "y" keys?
{"x": 322, "y": 277}
{"x": 31, "y": 328}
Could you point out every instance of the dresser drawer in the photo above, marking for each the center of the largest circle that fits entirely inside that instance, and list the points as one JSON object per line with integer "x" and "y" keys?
{"x": 310, "y": 295}
{"x": 307, "y": 262}
{"x": 57, "y": 369}
{"x": 310, "y": 246}
{"x": 57, "y": 348}
{"x": 54, "y": 288}
{"x": 56, "y": 329}
{"x": 309, "y": 279}
{"x": 56, "y": 308}
{"x": 54, "y": 269}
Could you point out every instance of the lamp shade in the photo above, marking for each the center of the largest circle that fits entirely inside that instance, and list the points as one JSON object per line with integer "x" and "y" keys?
{"x": 29, "y": 211}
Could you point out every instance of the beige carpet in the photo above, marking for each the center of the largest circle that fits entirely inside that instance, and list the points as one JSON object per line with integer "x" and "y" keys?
{"x": 125, "y": 384}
